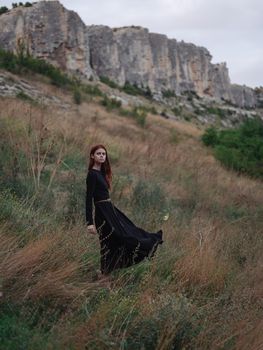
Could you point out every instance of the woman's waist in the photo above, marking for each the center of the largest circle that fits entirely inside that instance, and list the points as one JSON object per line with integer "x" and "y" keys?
{"x": 102, "y": 200}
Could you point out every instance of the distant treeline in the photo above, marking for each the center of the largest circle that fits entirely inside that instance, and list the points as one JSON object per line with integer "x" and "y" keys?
{"x": 4, "y": 9}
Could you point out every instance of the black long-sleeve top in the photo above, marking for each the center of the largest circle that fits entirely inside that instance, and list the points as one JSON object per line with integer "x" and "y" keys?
{"x": 97, "y": 189}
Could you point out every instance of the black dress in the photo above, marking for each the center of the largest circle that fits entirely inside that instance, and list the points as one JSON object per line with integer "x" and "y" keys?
{"x": 122, "y": 243}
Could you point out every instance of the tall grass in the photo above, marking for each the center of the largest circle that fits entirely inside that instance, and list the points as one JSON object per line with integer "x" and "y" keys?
{"x": 203, "y": 288}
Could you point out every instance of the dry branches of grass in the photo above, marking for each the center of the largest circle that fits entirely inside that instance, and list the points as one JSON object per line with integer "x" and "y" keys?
{"x": 210, "y": 257}
{"x": 50, "y": 266}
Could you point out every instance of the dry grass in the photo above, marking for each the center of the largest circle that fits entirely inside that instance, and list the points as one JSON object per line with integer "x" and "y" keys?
{"x": 207, "y": 255}
{"x": 47, "y": 267}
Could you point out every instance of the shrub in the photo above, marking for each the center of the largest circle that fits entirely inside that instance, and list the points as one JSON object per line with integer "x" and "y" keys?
{"x": 77, "y": 96}
{"x": 3, "y": 9}
{"x": 168, "y": 93}
{"x": 110, "y": 103}
{"x": 16, "y": 332}
{"x": 23, "y": 96}
{"x": 240, "y": 149}
{"x": 133, "y": 89}
{"x": 150, "y": 109}
{"x": 91, "y": 90}
{"x": 138, "y": 113}
{"x": 216, "y": 111}
{"x": 24, "y": 62}
{"x": 177, "y": 110}
{"x": 109, "y": 82}
{"x": 210, "y": 137}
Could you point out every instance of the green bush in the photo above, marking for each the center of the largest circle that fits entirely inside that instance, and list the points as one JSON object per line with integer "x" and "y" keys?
{"x": 91, "y": 90}
{"x": 150, "y": 109}
{"x": 168, "y": 93}
{"x": 109, "y": 82}
{"x": 240, "y": 149}
{"x": 216, "y": 111}
{"x": 23, "y": 62}
{"x": 133, "y": 89}
{"x": 23, "y": 96}
{"x": 3, "y": 9}
{"x": 138, "y": 113}
{"x": 18, "y": 333}
{"x": 177, "y": 110}
{"x": 77, "y": 96}
{"x": 210, "y": 137}
{"x": 110, "y": 103}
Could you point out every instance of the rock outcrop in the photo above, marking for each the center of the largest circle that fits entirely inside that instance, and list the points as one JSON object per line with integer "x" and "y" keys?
{"x": 129, "y": 54}
{"x": 12, "y": 86}
{"x": 132, "y": 54}
{"x": 47, "y": 31}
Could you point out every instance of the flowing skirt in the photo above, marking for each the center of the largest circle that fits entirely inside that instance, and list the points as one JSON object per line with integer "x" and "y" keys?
{"x": 122, "y": 244}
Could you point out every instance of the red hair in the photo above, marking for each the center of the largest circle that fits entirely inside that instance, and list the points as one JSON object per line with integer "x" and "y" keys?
{"x": 105, "y": 167}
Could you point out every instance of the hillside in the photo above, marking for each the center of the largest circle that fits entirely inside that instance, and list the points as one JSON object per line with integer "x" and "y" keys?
{"x": 204, "y": 288}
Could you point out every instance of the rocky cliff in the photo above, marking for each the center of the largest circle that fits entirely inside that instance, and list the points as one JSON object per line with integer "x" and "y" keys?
{"x": 134, "y": 55}
{"x": 130, "y": 54}
{"x": 48, "y": 31}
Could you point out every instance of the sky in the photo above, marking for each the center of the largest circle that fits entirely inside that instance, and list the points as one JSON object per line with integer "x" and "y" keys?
{"x": 232, "y": 30}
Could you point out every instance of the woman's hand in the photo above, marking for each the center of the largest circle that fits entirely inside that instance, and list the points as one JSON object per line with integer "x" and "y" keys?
{"x": 92, "y": 229}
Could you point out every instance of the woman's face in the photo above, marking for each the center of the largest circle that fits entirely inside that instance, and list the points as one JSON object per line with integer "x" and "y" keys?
{"x": 99, "y": 156}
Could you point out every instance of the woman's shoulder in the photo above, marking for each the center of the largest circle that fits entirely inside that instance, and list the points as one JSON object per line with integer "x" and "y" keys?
{"x": 94, "y": 171}
{"x": 92, "y": 174}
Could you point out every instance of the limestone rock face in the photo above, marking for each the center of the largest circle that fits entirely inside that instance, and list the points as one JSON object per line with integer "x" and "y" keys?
{"x": 47, "y": 31}
{"x": 244, "y": 96}
{"x": 132, "y": 54}
{"x": 129, "y": 54}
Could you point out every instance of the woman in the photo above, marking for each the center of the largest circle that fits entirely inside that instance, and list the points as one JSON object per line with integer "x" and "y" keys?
{"x": 122, "y": 243}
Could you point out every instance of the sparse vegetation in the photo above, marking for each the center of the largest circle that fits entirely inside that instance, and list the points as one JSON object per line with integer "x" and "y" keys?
{"x": 109, "y": 82}
{"x": 128, "y": 88}
{"x": 177, "y": 110}
{"x": 92, "y": 90}
{"x": 77, "y": 96}
{"x": 138, "y": 113}
{"x": 216, "y": 111}
{"x": 110, "y": 103}
{"x": 21, "y": 62}
{"x": 22, "y": 95}
{"x": 133, "y": 89}
{"x": 168, "y": 93}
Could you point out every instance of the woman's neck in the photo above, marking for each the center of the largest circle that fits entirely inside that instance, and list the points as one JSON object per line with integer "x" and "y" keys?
{"x": 96, "y": 167}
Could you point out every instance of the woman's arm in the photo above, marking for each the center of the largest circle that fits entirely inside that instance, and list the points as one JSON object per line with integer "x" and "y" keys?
{"x": 91, "y": 184}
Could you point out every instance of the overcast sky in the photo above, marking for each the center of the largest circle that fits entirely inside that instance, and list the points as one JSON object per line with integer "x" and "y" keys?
{"x": 232, "y": 30}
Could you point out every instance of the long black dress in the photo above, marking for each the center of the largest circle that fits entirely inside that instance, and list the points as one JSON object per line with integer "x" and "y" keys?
{"x": 122, "y": 243}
